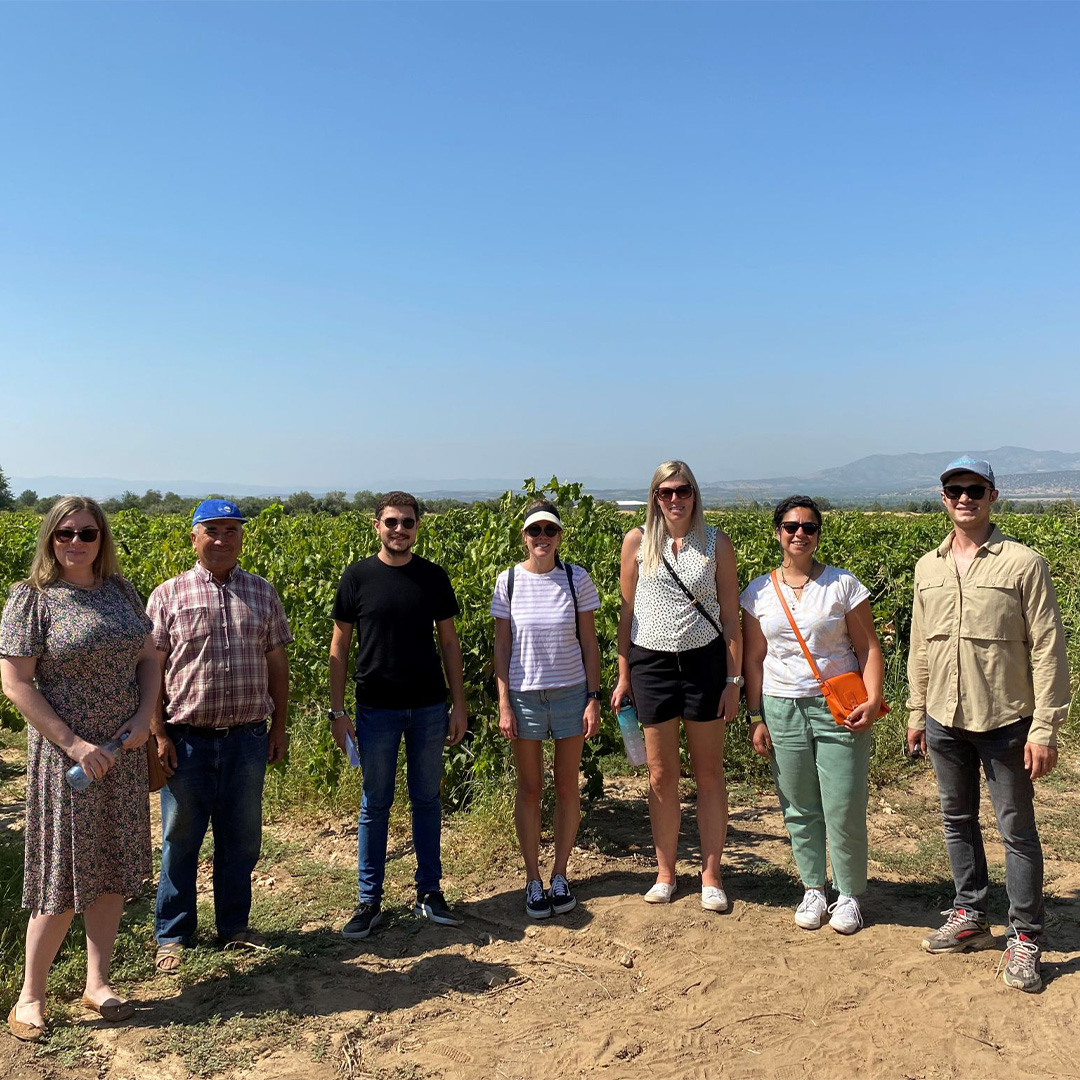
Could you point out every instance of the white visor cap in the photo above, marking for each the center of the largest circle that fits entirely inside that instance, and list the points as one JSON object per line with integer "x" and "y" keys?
{"x": 541, "y": 515}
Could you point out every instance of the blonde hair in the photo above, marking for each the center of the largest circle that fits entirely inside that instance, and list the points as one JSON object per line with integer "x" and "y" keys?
{"x": 45, "y": 570}
{"x": 652, "y": 544}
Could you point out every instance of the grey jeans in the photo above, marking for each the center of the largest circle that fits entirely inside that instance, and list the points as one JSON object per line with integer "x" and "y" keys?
{"x": 957, "y": 755}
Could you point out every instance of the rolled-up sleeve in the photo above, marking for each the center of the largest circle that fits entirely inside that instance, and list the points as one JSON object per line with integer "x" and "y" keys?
{"x": 1049, "y": 657}
{"x": 918, "y": 674}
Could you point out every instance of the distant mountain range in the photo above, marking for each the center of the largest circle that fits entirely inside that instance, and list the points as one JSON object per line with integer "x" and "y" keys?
{"x": 1021, "y": 473}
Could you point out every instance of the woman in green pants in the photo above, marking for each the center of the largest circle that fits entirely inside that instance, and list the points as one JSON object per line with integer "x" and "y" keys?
{"x": 819, "y": 765}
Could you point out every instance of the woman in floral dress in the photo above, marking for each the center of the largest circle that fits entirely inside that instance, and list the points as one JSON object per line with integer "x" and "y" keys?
{"x": 78, "y": 664}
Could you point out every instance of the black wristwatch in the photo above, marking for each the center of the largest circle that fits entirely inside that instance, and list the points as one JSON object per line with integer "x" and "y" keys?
{"x": 336, "y": 714}
{"x": 593, "y": 695}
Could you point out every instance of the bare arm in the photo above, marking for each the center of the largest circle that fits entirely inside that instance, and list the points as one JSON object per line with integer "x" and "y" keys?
{"x": 277, "y": 684}
{"x": 455, "y": 676}
{"x": 17, "y": 682}
{"x": 590, "y": 654}
{"x": 340, "y": 643}
{"x": 148, "y": 677}
{"x": 166, "y": 751}
{"x": 864, "y": 640}
{"x": 628, "y": 576}
{"x": 727, "y": 594}
{"x": 755, "y": 648}
{"x": 503, "y": 647}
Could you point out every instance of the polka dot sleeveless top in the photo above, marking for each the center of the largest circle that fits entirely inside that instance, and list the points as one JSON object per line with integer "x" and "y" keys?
{"x": 664, "y": 618}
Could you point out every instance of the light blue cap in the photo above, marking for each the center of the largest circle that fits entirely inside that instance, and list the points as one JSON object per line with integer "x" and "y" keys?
{"x": 969, "y": 464}
{"x": 217, "y": 510}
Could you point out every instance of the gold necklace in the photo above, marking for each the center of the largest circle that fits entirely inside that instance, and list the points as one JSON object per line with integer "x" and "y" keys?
{"x": 796, "y": 590}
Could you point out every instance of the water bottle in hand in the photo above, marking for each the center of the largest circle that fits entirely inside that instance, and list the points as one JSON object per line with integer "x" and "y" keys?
{"x": 630, "y": 730}
{"x": 78, "y": 778}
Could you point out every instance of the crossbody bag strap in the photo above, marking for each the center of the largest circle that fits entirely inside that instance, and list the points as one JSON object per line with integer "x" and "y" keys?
{"x": 693, "y": 599}
{"x": 798, "y": 636}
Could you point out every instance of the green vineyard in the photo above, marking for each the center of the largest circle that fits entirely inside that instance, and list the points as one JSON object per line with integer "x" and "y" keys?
{"x": 303, "y": 555}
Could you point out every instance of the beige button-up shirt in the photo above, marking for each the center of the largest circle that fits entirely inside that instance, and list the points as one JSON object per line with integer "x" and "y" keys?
{"x": 988, "y": 649}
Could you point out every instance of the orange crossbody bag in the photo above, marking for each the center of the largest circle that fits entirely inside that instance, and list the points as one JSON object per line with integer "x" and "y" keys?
{"x": 842, "y": 692}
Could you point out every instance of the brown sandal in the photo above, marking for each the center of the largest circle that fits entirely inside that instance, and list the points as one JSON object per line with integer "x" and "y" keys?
{"x": 168, "y": 957}
{"x": 112, "y": 1011}
{"x": 25, "y": 1032}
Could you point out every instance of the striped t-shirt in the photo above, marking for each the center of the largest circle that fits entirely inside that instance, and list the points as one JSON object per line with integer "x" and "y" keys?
{"x": 546, "y": 653}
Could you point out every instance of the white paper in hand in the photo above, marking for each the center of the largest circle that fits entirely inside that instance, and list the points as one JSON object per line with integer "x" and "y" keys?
{"x": 351, "y": 753}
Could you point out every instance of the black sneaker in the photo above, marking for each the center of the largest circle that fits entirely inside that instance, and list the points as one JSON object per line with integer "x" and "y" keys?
{"x": 432, "y": 906}
{"x": 537, "y": 904}
{"x": 562, "y": 899}
{"x": 365, "y": 918}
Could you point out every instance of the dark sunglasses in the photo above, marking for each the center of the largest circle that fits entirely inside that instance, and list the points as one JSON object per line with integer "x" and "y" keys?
{"x": 393, "y": 522}
{"x": 87, "y": 535}
{"x": 683, "y": 491}
{"x": 972, "y": 491}
{"x": 811, "y": 528}
{"x": 548, "y": 530}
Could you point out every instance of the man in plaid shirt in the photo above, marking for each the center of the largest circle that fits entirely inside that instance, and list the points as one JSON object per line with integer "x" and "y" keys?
{"x": 221, "y": 635}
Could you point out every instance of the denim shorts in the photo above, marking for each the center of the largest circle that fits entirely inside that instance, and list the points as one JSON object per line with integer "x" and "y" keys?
{"x": 559, "y": 712}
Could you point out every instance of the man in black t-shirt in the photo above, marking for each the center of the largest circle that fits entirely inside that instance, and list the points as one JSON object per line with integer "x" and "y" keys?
{"x": 393, "y": 599}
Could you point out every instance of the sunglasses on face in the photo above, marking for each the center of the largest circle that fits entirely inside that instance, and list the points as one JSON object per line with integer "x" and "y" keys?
{"x": 683, "y": 491}
{"x": 972, "y": 491}
{"x": 548, "y": 530}
{"x": 393, "y": 522}
{"x": 811, "y": 528}
{"x": 87, "y": 535}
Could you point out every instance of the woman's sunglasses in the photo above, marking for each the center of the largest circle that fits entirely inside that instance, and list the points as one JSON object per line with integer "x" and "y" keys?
{"x": 548, "y": 530}
{"x": 393, "y": 522}
{"x": 683, "y": 491}
{"x": 87, "y": 535}
{"x": 811, "y": 528}
{"x": 972, "y": 491}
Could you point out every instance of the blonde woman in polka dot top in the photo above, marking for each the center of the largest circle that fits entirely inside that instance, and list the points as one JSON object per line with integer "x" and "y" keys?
{"x": 680, "y": 656}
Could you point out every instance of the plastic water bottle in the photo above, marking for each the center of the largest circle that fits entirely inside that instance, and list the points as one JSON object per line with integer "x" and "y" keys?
{"x": 77, "y": 777}
{"x": 630, "y": 730}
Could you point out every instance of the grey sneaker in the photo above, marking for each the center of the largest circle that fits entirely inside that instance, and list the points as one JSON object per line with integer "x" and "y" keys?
{"x": 962, "y": 931}
{"x": 1019, "y": 966}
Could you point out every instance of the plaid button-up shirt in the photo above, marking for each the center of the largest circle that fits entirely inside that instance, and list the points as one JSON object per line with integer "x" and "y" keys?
{"x": 216, "y": 638}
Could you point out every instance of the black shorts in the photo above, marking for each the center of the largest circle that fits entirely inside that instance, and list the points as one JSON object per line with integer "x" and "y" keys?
{"x": 670, "y": 684}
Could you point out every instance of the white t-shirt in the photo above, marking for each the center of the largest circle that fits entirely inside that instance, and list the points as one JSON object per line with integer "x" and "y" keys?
{"x": 546, "y": 653}
{"x": 820, "y": 616}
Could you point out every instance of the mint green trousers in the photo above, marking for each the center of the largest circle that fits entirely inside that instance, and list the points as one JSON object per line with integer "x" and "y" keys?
{"x": 820, "y": 770}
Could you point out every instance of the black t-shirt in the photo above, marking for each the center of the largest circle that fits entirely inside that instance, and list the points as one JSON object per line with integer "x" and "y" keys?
{"x": 393, "y": 610}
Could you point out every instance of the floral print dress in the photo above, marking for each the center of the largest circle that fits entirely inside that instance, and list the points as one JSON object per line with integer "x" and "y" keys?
{"x": 81, "y": 844}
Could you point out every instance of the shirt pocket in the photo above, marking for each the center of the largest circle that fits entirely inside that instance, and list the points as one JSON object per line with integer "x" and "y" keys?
{"x": 993, "y": 611}
{"x": 193, "y": 624}
{"x": 938, "y": 598}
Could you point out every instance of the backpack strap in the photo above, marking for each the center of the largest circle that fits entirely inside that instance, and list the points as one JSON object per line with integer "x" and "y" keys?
{"x": 573, "y": 593}
{"x": 510, "y": 586}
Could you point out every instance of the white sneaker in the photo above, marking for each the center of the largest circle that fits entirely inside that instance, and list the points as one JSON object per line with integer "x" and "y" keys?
{"x": 660, "y": 893}
{"x": 714, "y": 898}
{"x": 846, "y": 916}
{"x": 813, "y": 908}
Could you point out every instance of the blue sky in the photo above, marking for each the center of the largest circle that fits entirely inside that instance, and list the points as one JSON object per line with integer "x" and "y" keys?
{"x": 352, "y": 245}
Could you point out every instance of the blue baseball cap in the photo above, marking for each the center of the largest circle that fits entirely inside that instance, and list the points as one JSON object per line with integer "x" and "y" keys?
{"x": 217, "y": 510}
{"x": 969, "y": 464}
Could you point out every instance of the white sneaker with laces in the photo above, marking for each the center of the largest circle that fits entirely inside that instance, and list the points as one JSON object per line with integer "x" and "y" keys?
{"x": 660, "y": 893}
{"x": 813, "y": 908}
{"x": 846, "y": 916}
{"x": 713, "y": 898}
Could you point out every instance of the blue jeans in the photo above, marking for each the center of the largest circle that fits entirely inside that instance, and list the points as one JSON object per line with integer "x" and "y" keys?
{"x": 378, "y": 736}
{"x": 956, "y": 755}
{"x": 218, "y": 782}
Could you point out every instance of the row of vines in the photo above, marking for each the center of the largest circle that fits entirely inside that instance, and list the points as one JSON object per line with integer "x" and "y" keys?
{"x": 303, "y": 556}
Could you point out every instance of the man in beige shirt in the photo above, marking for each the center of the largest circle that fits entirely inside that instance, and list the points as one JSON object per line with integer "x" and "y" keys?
{"x": 988, "y": 683}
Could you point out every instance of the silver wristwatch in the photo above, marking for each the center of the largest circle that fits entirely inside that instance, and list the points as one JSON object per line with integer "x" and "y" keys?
{"x": 736, "y": 680}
